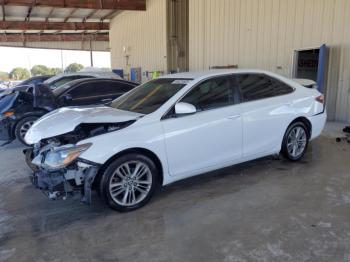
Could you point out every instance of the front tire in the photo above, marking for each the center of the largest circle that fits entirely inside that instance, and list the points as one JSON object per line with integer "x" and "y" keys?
{"x": 295, "y": 141}
{"x": 23, "y": 126}
{"x": 129, "y": 182}
{"x": 29, "y": 155}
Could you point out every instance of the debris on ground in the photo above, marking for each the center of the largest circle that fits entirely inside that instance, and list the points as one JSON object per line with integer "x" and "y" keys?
{"x": 345, "y": 138}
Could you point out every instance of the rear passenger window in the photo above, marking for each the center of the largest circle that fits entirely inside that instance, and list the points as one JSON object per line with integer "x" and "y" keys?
{"x": 85, "y": 90}
{"x": 257, "y": 86}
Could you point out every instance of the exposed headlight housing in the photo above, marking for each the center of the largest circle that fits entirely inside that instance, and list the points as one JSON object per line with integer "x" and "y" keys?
{"x": 63, "y": 156}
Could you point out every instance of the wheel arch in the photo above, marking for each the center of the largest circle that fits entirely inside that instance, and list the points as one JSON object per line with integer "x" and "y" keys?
{"x": 138, "y": 150}
{"x": 34, "y": 113}
{"x": 306, "y": 122}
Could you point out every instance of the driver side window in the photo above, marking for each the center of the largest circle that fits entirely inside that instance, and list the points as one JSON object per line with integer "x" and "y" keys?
{"x": 211, "y": 94}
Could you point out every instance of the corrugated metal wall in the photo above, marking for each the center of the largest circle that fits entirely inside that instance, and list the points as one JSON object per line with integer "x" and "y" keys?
{"x": 177, "y": 35}
{"x": 143, "y": 34}
{"x": 96, "y": 45}
{"x": 264, "y": 33}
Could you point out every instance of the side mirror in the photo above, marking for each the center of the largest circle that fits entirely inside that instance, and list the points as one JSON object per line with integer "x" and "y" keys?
{"x": 183, "y": 108}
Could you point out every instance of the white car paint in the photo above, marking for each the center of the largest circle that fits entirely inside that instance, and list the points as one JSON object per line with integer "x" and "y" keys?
{"x": 65, "y": 119}
{"x": 305, "y": 82}
{"x": 196, "y": 143}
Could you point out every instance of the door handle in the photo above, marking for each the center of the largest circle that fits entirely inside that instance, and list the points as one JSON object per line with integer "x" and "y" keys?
{"x": 234, "y": 117}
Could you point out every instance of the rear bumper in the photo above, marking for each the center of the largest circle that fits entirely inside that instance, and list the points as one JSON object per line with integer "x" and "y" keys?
{"x": 6, "y": 129}
{"x": 317, "y": 122}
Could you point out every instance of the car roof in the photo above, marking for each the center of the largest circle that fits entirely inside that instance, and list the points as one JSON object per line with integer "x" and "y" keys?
{"x": 96, "y": 74}
{"x": 81, "y": 80}
{"x": 197, "y": 75}
{"x": 43, "y": 76}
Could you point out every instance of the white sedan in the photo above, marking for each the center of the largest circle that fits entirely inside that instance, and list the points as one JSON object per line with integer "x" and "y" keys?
{"x": 169, "y": 129}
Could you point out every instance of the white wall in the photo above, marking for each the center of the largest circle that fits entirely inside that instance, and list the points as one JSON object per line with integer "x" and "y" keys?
{"x": 143, "y": 33}
{"x": 264, "y": 33}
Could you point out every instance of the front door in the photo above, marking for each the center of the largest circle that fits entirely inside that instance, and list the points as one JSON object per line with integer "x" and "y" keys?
{"x": 212, "y": 136}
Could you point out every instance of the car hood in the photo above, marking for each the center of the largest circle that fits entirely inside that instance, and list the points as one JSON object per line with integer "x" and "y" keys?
{"x": 66, "y": 119}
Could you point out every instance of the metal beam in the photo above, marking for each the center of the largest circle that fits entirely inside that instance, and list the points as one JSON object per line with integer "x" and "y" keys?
{"x": 3, "y": 10}
{"x": 90, "y": 4}
{"x": 29, "y": 13}
{"x": 90, "y": 15}
{"x": 67, "y": 18}
{"x": 35, "y": 25}
{"x": 70, "y": 14}
{"x": 8, "y": 37}
{"x": 49, "y": 14}
{"x": 47, "y": 18}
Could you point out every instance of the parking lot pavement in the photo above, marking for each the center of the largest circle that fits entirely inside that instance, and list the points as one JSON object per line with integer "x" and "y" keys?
{"x": 266, "y": 210}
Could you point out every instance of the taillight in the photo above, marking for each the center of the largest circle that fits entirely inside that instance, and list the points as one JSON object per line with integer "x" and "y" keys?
{"x": 320, "y": 99}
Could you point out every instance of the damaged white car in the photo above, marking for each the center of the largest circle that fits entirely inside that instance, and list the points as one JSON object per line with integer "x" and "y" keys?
{"x": 169, "y": 129}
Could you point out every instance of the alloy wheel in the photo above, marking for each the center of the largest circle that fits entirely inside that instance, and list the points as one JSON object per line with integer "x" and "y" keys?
{"x": 296, "y": 142}
{"x": 130, "y": 183}
{"x": 25, "y": 127}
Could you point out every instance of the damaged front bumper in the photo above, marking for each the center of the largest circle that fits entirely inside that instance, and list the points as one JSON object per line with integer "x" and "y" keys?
{"x": 65, "y": 183}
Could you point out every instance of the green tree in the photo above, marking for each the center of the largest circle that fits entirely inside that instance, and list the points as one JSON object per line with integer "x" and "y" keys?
{"x": 74, "y": 67}
{"x": 39, "y": 70}
{"x": 55, "y": 71}
{"x": 4, "y": 76}
{"x": 19, "y": 73}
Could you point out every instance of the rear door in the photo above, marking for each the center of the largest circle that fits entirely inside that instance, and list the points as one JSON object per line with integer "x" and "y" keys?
{"x": 267, "y": 109}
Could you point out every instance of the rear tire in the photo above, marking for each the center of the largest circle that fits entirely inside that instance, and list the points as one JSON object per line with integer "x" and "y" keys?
{"x": 295, "y": 141}
{"x": 23, "y": 126}
{"x": 129, "y": 182}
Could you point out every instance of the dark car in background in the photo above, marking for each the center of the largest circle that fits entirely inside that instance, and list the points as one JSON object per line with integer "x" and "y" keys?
{"x": 26, "y": 84}
{"x": 61, "y": 79}
{"x": 20, "y": 109}
{"x": 35, "y": 80}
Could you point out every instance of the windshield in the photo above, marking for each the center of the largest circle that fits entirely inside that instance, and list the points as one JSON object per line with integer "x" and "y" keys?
{"x": 148, "y": 97}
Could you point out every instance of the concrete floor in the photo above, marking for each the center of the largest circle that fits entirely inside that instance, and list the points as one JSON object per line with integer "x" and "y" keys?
{"x": 266, "y": 210}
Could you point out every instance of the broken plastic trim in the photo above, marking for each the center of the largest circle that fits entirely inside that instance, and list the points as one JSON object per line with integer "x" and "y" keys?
{"x": 55, "y": 184}
{"x": 88, "y": 162}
